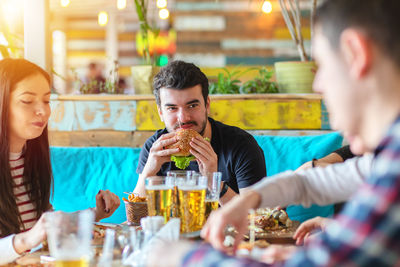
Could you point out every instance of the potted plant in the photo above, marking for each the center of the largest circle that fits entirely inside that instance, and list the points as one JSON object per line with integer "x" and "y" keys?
{"x": 261, "y": 84}
{"x": 107, "y": 85}
{"x": 296, "y": 76}
{"x": 229, "y": 83}
{"x": 143, "y": 74}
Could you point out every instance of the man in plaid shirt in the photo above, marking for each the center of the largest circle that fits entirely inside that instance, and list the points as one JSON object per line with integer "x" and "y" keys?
{"x": 357, "y": 48}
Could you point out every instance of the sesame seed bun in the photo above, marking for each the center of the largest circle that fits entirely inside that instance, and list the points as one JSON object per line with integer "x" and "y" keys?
{"x": 183, "y": 136}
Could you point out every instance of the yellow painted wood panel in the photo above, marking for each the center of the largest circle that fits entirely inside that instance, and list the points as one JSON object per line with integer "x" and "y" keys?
{"x": 283, "y": 33}
{"x": 268, "y": 114}
{"x": 147, "y": 118}
{"x": 250, "y": 114}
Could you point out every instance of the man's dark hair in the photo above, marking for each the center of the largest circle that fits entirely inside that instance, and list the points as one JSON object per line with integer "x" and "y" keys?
{"x": 180, "y": 75}
{"x": 377, "y": 18}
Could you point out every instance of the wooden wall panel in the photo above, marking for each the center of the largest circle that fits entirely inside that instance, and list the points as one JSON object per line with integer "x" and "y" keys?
{"x": 250, "y": 112}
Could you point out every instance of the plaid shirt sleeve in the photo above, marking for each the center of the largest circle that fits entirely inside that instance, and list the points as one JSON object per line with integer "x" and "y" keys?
{"x": 366, "y": 233}
{"x": 204, "y": 255}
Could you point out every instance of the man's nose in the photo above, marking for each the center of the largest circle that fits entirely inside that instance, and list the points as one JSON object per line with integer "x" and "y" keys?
{"x": 183, "y": 116}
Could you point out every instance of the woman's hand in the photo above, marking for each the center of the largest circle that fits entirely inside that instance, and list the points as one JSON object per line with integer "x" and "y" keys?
{"x": 106, "y": 203}
{"x": 306, "y": 228}
{"x": 32, "y": 238}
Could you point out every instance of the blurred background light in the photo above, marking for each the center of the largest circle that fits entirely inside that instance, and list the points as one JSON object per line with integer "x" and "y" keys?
{"x": 65, "y": 3}
{"x": 161, "y": 3}
{"x": 163, "y": 13}
{"x": 267, "y": 7}
{"x": 121, "y": 4}
{"x": 102, "y": 18}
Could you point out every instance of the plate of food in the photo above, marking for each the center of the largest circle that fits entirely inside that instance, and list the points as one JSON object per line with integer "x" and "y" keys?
{"x": 272, "y": 225}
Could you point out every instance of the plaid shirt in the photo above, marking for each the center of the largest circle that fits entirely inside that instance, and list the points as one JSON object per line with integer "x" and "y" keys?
{"x": 366, "y": 233}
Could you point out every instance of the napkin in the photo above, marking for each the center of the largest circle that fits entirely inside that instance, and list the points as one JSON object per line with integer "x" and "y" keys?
{"x": 154, "y": 234}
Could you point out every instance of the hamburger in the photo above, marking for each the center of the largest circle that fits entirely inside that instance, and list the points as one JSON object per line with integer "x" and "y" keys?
{"x": 183, "y": 157}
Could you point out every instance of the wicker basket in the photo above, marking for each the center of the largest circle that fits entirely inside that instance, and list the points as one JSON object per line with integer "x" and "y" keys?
{"x": 135, "y": 211}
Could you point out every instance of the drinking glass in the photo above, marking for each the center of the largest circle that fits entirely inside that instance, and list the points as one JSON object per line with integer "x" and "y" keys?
{"x": 212, "y": 194}
{"x": 69, "y": 236}
{"x": 159, "y": 191}
{"x": 192, "y": 194}
{"x": 177, "y": 177}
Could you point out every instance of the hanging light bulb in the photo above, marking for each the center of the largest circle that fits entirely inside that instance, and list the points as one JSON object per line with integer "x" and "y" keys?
{"x": 102, "y": 18}
{"x": 121, "y": 4}
{"x": 267, "y": 7}
{"x": 65, "y": 3}
{"x": 161, "y": 3}
{"x": 163, "y": 13}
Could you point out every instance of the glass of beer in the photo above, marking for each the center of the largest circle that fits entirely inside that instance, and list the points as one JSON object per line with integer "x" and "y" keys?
{"x": 192, "y": 195}
{"x": 69, "y": 237}
{"x": 159, "y": 196}
{"x": 213, "y": 190}
{"x": 177, "y": 177}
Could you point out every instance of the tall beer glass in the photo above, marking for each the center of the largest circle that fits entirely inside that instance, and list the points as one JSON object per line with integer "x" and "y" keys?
{"x": 192, "y": 194}
{"x": 213, "y": 190}
{"x": 177, "y": 177}
{"x": 159, "y": 196}
{"x": 69, "y": 236}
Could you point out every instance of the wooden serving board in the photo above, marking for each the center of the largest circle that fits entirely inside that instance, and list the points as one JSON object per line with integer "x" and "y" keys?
{"x": 284, "y": 236}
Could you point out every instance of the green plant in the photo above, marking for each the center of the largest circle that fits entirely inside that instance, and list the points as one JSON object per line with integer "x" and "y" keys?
{"x": 228, "y": 82}
{"x": 145, "y": 29}
{"x": 109, "y": 86}
{"x": 261, "y": 84}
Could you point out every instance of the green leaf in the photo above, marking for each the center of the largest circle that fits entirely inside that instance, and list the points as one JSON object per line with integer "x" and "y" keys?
{"x": 182, "y": 162}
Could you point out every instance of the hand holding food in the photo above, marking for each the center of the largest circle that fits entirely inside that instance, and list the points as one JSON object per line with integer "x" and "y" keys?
{"x": 205, "y": 155}
{"x": 160, "y": 153}
{"x": 183, "y": 138}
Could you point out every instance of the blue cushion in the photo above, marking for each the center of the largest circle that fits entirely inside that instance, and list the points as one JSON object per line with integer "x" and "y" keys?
{"x": 80, "y": 172}
{"x": 289, "y": 152}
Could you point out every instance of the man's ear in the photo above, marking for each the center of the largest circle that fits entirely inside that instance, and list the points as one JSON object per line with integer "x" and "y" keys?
{"x": 160, "y": 113}
{"x": 357, "y": 52}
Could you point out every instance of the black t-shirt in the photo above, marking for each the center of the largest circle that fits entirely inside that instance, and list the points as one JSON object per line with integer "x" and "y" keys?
{"x": 240, "y": 158}
{"x": 345, "y": 153}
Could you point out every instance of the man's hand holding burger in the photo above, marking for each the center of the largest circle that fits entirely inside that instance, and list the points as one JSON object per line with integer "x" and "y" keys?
{"x": 159, "y": 154}
{"x": 204, "y": 154}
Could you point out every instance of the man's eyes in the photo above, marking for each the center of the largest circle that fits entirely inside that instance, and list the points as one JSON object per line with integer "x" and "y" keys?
{"x": 189, "y": 106}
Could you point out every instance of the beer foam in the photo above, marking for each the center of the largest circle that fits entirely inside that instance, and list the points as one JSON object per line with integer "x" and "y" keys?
{"x": 192, "y": 187}
{"x": 157, "y": 187}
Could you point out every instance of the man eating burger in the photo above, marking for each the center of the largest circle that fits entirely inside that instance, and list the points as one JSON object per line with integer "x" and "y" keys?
{"x": 181, "y": 92}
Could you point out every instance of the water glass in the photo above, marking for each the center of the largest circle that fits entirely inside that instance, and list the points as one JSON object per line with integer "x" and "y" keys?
{"x": 213, "y": 191}
{"x": 69, "y": 236}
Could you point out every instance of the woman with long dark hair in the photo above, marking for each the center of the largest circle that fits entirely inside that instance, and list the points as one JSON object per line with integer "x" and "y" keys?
{"x": 25, "y": 171}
